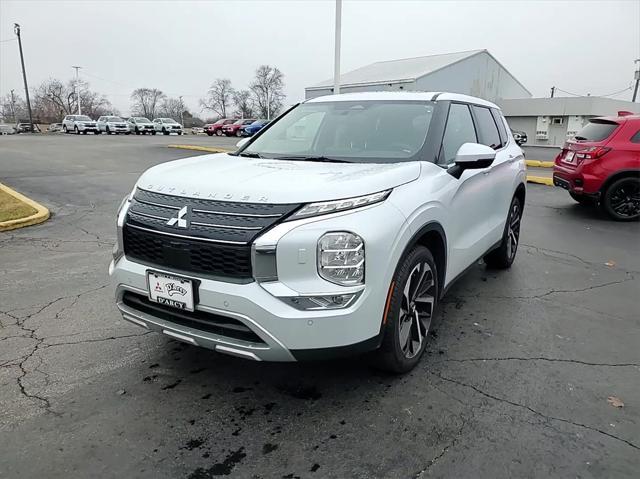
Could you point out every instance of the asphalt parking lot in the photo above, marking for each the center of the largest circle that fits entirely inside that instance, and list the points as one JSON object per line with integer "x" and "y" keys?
{"x": 514, "y": 383}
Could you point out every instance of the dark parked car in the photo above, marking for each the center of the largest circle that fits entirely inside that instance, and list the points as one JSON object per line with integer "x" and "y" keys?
{"x": 235, "y": 128}
{"x": 216, "y": 127}
{"x": 520, "y": 137}
{"x": 255, "y": 127}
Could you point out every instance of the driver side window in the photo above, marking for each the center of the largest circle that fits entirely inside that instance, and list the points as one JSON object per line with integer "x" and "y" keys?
{"x": 459, "y": 130}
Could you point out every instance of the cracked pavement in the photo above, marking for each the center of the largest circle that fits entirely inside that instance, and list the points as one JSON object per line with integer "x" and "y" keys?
{"x": 514, "y": 383}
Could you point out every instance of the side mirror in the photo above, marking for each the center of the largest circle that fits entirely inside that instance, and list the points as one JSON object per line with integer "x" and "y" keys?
{"x": 242, "y": 142}
{"x": 472, "y": 156}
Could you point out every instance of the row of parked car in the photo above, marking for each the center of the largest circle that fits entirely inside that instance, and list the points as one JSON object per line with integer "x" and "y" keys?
{"x": 235, "y": 127}
{"x": 82, "y": 124}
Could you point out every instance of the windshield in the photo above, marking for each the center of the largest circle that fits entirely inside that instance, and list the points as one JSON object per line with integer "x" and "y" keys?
{"x": 167, "y": 120}
{"x": 82, "y": 118}
{"x": 114, "y": 118}
{"x": 140, "y": 119}
{"x": 348, "y": 130}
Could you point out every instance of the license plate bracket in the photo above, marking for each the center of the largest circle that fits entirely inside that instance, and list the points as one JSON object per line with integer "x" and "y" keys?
{"x": 171, "y": 290}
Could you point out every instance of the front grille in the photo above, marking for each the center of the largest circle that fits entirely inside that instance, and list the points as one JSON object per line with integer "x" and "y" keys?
{"x": 216, "y": 239}
{"x": 203, "y": 321}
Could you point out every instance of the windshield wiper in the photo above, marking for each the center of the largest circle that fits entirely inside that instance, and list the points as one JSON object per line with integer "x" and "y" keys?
{"x": 250, "y": 155}
{"x": 322, "y": 159}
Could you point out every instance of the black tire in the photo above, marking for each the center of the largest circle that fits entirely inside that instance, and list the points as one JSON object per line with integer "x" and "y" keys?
{"x": 84, "y": 132}
{"x": 96, "y": 132}
{"x": 621, "y": 200}
{"x": 582, "y": 199}
{"x": 179, "y": 133}
{"x": 153, "y": 132}
{"x": 137, "y": 131}
{"x": 165, "y": 132}
{"x": 64, "y": 129}
{"x": 503, "y": 256}
{"x": 238, "y": 132}
{"x": 209, "y": 133}
{"x": 219, "y": 132}
{"x": 410, "y": 312}
{"x": 108, "y": 131}
{"x": 75, "y": 130}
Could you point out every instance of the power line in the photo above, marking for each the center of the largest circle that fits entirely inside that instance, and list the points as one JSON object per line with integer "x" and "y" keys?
{"x": 600, "y": 96}
{"x": 8, "y": 40}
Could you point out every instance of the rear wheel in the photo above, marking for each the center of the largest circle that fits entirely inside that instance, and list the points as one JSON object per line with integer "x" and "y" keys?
{"x": 238, "y": 133}
{"x": 64, "y": 129}
{"x": 108, "y": 131}
{"x": 412, "y": 305}
{"x": 165, "y": 132}
{"x": 137, "y": 131}
{"x": 503, "y": 256}
{"x": 76, "y": 131}
{"x": 219, "y": 132}
{"x": 621, "y": 200}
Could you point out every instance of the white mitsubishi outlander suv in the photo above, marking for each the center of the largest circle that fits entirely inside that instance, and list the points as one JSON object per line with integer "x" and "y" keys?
{"x": 334, "y": 230}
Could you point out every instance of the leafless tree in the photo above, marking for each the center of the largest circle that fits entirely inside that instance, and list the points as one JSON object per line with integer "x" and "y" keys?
{"x": 244, "y": 103}
{"x": 219, "y": 96}
{"x": 172, "y": 108}
{"x": 146, "y": 102}
{"x": 54, "y": 99}
{"x": 267, "y": 91}
{"x": 12, "y": 108}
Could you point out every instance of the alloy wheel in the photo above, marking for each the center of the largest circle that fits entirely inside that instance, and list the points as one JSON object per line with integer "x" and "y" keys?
{"x": 416, "y": 309}
{"x": 513, "y": 231}
{"x": 625, "y": 199}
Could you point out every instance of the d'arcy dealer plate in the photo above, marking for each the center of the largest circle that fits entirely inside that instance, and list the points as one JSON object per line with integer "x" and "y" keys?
{"x": 170, "y": 290}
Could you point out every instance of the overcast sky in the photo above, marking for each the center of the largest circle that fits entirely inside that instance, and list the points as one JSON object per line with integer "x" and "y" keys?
{"x": 182, "y": 46}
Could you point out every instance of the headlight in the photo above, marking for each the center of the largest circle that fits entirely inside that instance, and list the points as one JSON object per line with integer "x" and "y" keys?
{"x": 326, "y": 207}
{"x": 341, "y": 258}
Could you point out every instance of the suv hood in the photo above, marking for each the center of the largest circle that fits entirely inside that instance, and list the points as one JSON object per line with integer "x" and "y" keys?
{"x": 231, "y": 178}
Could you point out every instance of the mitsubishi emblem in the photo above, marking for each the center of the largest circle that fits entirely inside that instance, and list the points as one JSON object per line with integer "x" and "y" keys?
{"x": 182, "y": 219}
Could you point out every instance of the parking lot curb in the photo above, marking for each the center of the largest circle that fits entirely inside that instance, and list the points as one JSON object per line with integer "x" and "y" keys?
{"x": 41, "y": 215}
{"x": 539, "y": 163}
{"x": 199, "y": 148}
{"x": 540, "y": 180}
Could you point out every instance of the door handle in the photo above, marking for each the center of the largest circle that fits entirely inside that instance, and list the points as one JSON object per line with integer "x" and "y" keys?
{"x": 487, "y": 171}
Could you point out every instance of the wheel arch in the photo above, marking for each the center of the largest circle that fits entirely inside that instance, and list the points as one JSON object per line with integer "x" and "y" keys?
{"x": 433, "y": 237}
{"x": 616, "y": 176}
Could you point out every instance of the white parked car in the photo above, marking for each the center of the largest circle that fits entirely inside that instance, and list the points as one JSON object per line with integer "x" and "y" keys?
{"x": 79, "y": 124}
{"x": 336, "y": 231}
{"x": 7, "y": 129}
{"x": 141, "y": 125}
{"x": 112, "y": 124}
{"x": 166, "y": 126}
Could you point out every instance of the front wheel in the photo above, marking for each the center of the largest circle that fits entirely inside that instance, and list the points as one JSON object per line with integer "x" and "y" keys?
{"x": 218, "y": 132}
{"x": 77, "y": 132}
{"x": 165, "y": 132}
{"x": 153, "y": 132}
{"x": 503, "y": 256}
{"x": 238, "y": 133}
{"x": 409, "y": 313}
{"x": 621, "y": 200}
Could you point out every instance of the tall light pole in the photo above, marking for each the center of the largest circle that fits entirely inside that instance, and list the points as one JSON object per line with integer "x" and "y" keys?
{"x": 16, "y": 29}
{"x": 78, "y": 89}
{"x": 336, "y": 56}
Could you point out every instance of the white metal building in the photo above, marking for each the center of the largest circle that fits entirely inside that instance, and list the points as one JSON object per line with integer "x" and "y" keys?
{"x": 474, "y": 72}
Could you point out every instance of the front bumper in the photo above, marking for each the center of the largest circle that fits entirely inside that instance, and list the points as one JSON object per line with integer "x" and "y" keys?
{"x": 286, "y": 333}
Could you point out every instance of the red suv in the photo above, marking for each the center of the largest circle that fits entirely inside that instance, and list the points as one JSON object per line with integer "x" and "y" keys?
{"x": 602, "y": 165}
{"x": 216, "y": 127}
{"x": 235, "y": 128}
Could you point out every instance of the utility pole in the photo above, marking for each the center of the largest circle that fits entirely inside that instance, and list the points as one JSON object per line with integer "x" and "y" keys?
{"x": 336, "y": 56}
{"x": 637, "y": 78}
{"x": 553, "y": 91}
{"x": 16, "y": 29}
{"x": 13, "y": 106}
{"x": 181, "y": 111}
{"x": 78, "y": 89}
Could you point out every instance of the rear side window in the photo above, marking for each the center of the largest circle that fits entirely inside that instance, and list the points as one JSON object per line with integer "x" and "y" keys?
{"x": 636, "y": 138}
{"x": 497, "y": 116}
{"x": 459, "y": 130}
{"x": 487, "y": 128}
{"x": 597, "y": 130}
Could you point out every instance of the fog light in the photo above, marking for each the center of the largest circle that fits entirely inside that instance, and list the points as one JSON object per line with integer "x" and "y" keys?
{"x": 341, "y": 258}
{"x": 334, "y": 301}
